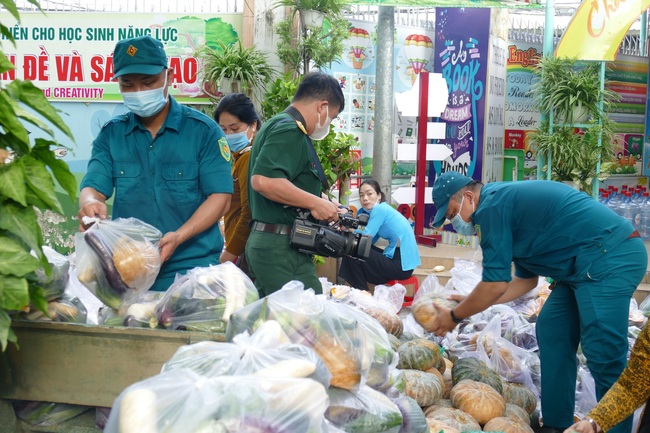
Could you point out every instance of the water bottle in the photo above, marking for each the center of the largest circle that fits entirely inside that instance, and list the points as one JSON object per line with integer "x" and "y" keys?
{"x": 625, "y": 208}
{"x": 645, "y": 217}
{"x": 635, "y": 205}
{"x": 613, "y": 202}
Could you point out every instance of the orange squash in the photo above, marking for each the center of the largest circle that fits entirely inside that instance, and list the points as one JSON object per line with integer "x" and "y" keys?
{"x": 478, "y": 399}
{"x": 506, "y": 425}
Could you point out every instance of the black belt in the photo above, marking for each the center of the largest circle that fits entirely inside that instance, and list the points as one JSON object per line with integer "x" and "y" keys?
{"x": 278, "y": 229}
{"x": 635, "y": 234}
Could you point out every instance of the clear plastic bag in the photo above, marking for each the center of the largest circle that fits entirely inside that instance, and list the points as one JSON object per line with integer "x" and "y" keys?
{"x": 90, "y": 301}
{"x": 118, "y": 259}
{"x": 204, "y": 298}
{"x": 54, "y": 284}
{"x": 101, "y": 417}
{"x": 48, "y": 414}
{"x": 585, "y": 392}
{"x": 465, "y": 276}
{"x": 330, "y": 328}
{"x": 363, "y": 411}
{"x": 636, "y": 316}
{"x": 181, "y": 401}
{"x": 267, "y": 352}
{"x": 67, "y": 308}
{"x": 644, "y": 306}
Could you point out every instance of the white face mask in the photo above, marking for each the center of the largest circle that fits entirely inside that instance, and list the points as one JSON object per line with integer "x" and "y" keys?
{"x": 146, "y": 103}
{"x": 460, "y": 225}
{"x": 322, "y": 130}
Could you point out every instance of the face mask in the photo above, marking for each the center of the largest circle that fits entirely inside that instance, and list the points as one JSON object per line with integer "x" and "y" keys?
{"x": 460, "y": 225}
{"x": 321, "y": 131}
{"x": 146, "y": 103}
{"x": 238, "y": 140}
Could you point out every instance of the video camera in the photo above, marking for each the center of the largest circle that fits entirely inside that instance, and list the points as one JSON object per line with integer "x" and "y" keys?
{"x": 331, "y": 240}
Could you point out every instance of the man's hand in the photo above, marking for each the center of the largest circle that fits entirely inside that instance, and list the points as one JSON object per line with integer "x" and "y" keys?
{"x": 92, "y": 209}
{"x": 168, "y": 245}
{"x": 442, "y": 324}
{"x": 583, "y": 426}
{"x": 325, "y": 210}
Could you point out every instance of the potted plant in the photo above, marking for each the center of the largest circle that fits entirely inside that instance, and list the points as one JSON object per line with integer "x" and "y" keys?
{"x": 28, "y": 171}
{"x": 577, "y": 138}
{"x": 313, "y": 43}
{"x": 575, "y": 153}
{"x": 233, "y": 68}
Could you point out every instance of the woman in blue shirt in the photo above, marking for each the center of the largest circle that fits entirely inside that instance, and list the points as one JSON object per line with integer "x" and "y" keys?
{"x": 395, "y": 262}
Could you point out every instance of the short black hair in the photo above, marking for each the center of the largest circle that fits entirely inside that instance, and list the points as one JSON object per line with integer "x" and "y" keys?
{"x": 320, "y": 86}
{"x": 240, "y": 106}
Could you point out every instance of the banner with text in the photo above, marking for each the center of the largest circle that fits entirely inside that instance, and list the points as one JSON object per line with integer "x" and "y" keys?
{"x": 70, "y": 56}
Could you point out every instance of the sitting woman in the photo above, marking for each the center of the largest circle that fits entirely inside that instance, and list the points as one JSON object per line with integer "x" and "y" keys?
{"x": 398, "y": 260}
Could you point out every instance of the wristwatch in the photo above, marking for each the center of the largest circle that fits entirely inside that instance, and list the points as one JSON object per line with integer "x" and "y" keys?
{"x": 593, "y": 424}
{"x": 453, "y": 316}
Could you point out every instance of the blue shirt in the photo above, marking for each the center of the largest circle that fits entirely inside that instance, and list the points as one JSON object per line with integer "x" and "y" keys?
{"x": 163, "y": 181}
{"x": 385, "y": 222}
{"x": 546, "y": 228}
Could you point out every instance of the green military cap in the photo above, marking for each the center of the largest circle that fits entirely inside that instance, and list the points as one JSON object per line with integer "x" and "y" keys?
{"x": 141, "y": 55}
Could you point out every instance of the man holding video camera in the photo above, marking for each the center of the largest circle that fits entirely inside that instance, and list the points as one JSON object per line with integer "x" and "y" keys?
{"x": 285, "y": 175}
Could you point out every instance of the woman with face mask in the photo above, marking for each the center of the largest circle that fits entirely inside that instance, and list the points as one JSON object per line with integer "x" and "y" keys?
{"x": 236, "y": 115}
{"x": 397, "y": 260}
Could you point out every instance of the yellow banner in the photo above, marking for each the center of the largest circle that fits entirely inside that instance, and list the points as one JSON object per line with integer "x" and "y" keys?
{"x": 598, "y": 27}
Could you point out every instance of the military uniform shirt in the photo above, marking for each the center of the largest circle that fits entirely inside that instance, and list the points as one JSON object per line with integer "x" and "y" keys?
{"x": 280, "y": 150}
{"x": 546, "y": 228}
{"x": 163, "y": 181}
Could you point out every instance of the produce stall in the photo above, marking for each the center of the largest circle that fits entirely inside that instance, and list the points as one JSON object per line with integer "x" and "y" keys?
{"x": 82, "y": 364}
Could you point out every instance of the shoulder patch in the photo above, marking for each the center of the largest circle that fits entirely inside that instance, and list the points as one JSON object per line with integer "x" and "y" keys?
{"x": 225, "y": 149}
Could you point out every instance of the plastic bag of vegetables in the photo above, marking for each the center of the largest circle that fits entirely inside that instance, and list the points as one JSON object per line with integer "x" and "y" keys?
{"x": 205, "y": 298}
{"x": 117, "y": 259}
{"x": 181, "y": 401}
{"x": 67, "y": 309}
{"x": 363, "y": 410}
{"x": 138, "y": 312}
{"x": 48, "y": 414}
{"x": 267, "y": 352}
{"x": 333, "y": 330}
{"x": 54, "y": 285}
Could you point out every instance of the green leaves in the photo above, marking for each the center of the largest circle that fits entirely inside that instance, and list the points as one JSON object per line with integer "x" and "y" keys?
{"x": 25, "y": 182}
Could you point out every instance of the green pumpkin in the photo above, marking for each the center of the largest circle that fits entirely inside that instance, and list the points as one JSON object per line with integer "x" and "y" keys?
{"x": 425, "y": 388}
{"x": 519, "y": 395}
{"x": 416, "y": 356}
{"x": 477, "y": 370}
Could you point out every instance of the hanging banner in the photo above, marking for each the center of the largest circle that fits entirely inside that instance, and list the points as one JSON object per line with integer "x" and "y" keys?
{"x": 520, "y": 4}
{"x": 70, "y": 55}
{"x": 598, "y": 27}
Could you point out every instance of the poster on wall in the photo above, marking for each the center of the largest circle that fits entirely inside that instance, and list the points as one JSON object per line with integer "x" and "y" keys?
{"x": 461, "y": 56}
{"x": 522, "y": 116}
{"x": 70, "y": 55}
{"x": 628, "y": 77}
{"x": 356, "y": 74}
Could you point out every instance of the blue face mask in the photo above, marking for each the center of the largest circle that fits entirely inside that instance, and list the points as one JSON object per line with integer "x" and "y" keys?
{"x": 460, "y": 225}
{"x": 238, "y": 140}
{"x": 146, "y": 103}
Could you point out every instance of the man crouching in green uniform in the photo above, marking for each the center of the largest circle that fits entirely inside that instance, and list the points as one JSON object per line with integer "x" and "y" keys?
{"x": 545, "y": 228}
{"x": 284, "y": 175}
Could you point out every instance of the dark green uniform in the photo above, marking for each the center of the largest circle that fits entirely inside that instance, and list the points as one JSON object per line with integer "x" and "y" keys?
{"x": 280, "y": 150}
{"x": 549, "y": 229}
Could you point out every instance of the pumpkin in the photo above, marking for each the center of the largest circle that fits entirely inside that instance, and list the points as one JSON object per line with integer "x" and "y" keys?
{"x": 392, "y": 323}
{"x": 436, "y": 373}
{"x": 436, "y": 426}
{"x": 440, "y": 404}
{"x": 455, "y": 418}
{"x": 506, "y": 425}
{"x": 136, "y": 261}
{"x": 407, "y": 336}
{"x": 425, "y": 388}
{"x": 345, "y": 369}
{"x": 478, "y": 399}
{"x": 415, "y": 356}
{"x": 439, "y": 360}
{"x": 395, "y": 343}
{"x": 475, "y": 369}
{"x": 424, "y": 311}
{"x": 517, "y": 413}
{"x": 519, "y": 395}
{"x": 447, "y": 383}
